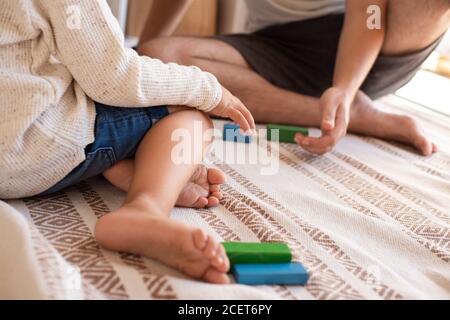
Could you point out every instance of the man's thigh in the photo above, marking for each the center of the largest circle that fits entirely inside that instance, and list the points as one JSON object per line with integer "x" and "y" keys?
{"x": 185, "y": 49}
{"x": 415, "y": 25}
{"x": 414, "y": 30}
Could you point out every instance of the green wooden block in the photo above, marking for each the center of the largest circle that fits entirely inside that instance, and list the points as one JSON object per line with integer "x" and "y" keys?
{"x": 252, "y": 253}
{"x": 286, "y": 133}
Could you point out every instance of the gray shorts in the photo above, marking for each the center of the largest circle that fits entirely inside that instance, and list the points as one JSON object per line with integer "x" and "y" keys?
{"x": 301, "y": 56}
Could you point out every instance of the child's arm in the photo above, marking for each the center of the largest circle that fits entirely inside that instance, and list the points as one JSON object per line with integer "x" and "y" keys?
{"x": 358, "y": 49}
{"x": 164, "y": 18}
{"x": 90, "y": 43}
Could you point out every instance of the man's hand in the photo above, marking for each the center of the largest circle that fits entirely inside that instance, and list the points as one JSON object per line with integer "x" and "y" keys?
{"x": 232, "y": 108}
{"x": 335, "y": 113}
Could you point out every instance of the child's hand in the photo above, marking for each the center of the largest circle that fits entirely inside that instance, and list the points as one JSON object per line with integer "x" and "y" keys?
{"x": 232, "y": 108}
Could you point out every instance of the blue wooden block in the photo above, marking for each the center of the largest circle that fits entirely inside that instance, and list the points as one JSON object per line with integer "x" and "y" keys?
{"x": 270, "y": 274}
{"x": 231, "y": 133}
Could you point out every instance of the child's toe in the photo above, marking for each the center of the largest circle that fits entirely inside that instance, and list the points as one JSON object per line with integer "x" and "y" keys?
{"x": 217, "y": 195}
{"x": 221, "y": 261}
{"x": 211, "y": 248}
{"x": 200, "y": 239}
{"x": 224, "y": 255}
{"x": 213, "y": 201}
{"x": 215, "y": 176}
{"x": 201, "y": 203}
{"x": 213, "y": 276}
{"x": 214, "y": 188}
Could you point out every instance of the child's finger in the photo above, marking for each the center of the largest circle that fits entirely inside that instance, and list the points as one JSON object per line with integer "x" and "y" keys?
{"x": 239, "y": 118}
{"x": 248, "y": 115}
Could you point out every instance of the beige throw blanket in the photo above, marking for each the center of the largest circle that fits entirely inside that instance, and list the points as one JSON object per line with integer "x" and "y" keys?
{"x": 370, "y": 220}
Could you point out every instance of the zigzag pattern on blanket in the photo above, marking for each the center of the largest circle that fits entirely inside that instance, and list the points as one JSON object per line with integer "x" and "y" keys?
{"x": 368, "y": 221}
{"x": 59, "y": 221}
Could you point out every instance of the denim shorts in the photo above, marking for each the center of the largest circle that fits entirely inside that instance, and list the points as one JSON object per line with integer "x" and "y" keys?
{"x": 118, "y": 133}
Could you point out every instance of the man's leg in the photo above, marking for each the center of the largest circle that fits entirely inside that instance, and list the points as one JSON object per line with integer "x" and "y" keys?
{"x": 263, "y": 98}
{"x": 228, "y": 65}
{"x": 414, "y": 25}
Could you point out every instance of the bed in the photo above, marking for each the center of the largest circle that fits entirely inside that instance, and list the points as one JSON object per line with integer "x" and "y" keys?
{"x": 370, "y": 220}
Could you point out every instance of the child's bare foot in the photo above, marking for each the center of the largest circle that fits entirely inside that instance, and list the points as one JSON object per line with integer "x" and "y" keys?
{"x": 139, "y": 227}
{"x": 367, "y": 120}
{"x": 203, "y": 189}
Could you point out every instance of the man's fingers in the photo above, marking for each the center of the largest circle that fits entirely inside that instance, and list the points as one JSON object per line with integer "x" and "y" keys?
{"x": 329, "y": 109}
{"x": 341, "y": 121}
{"x": 299, "y": 138}
{"x": 317, "y": 145}
{"x": 326, "y": 142}
{"x": 328, "y": 119}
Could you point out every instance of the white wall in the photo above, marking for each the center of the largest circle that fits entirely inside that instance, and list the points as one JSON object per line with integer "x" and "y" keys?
{"x": 119, "y": 8}
{"x": 233, "y": 16}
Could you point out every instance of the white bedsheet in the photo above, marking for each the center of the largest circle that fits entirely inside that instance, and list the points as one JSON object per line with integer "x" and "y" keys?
{"x": 369, "y": 221}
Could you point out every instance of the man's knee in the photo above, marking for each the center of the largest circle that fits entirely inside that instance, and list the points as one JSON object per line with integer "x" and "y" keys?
{"x": 165, "y": 49}
{"x": 414, "y": 25}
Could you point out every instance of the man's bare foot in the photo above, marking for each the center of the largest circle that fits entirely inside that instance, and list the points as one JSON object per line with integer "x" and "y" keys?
{"x": 139, "y": 227}
{"x": 369, "y": 121}
{"x": 203, "y": 189}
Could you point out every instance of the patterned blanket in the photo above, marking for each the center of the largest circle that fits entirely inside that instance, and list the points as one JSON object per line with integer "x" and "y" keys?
{"x": 370, "y": 220}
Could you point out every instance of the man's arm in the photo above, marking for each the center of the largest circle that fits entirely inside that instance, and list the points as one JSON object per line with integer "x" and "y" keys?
{"x": 164, "y": 18}
{"x": 359, "y": 47}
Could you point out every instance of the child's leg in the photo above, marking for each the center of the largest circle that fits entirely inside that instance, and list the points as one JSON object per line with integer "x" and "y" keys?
{"x": 142, "y": 224}
{"x": 202, "y": 189}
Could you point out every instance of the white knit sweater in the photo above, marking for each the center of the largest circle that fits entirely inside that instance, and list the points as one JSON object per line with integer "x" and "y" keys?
{"x": 56, "y": 58}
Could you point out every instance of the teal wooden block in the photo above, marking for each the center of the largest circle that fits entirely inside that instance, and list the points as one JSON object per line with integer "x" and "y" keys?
{"x": 270, "y": 274}
{"x": 231, "y": 132}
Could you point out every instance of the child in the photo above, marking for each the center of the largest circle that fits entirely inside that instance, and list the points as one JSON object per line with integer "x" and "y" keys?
{"x": 56, "y": 59}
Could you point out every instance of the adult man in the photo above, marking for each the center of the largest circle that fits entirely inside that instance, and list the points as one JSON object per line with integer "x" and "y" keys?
{"x": 312, "y": 50}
